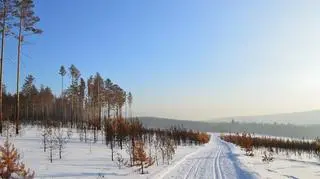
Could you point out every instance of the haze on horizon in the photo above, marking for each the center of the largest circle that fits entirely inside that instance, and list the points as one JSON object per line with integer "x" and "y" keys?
{"x": 182, "y": 59}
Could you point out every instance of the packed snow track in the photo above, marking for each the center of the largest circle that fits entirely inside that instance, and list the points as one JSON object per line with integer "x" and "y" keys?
{"x": 213, "y": 161}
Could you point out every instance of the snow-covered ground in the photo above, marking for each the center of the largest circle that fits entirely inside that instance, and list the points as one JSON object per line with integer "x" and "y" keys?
{"x": 284, "y": 165}
{"x": 220, "y": 159}
{"x": 82, "y": 160}
{"x": 217, "y": 159}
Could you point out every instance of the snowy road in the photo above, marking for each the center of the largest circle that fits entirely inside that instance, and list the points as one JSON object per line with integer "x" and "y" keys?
{"x": 214, "y": 161}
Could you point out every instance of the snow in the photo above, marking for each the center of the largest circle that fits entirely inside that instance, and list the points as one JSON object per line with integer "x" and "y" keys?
{"x": 82, "y": 160}
{"x": 214, "y": 160}
{"x": 283, "y": 165}
{"x": 217, "y": 159}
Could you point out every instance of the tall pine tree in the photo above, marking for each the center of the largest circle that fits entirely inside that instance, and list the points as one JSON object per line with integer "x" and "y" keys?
{"x": 6, "y": 7}
{"x": 27, "y": 20}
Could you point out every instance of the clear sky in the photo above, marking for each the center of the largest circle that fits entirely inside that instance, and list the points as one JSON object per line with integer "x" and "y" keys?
{"x": 183, "y": 59}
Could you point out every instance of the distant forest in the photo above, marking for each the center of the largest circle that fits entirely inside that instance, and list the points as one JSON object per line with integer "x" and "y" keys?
{"x": 84, "y": 103}
{"x": 285, "y": 130}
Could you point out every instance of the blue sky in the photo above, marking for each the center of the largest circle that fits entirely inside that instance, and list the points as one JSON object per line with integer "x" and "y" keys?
{"x": 183, "y": 59}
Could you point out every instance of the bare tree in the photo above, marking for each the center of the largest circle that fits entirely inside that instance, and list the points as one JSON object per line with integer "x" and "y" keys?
{"x": 170, "y": 150}
{"x": 62, "y": 137}
{"x": 167, "y": 149}
{"x": 119, "y": 160}
{"x": 129, "y": 148}
{"x": 50, "y": 140}
{"x": 45, "y": 132}
{"x": 156, "y": 145}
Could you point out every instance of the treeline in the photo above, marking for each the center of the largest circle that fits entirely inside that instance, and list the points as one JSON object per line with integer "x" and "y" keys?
{"x": 94, "y": 104}
{"x": 275, "y": 129}
{"x": 248, "y": 141}
{"x": 84, "y": 103}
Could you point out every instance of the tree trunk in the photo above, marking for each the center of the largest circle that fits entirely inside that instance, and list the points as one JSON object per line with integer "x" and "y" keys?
{"x": 1, "y": 61}
{"x": 108, "y": 111}
{"x": 44, "y": 143}
{"x": 27, "y": 109}
{"x": 62, "y": 108}
{"x": 111, "y": 146}
{"x": 133, "y": 145}
{"x": 142, "y": 167}
{"x": 106, "y": 132}
{"x": 99, "y": 124}
{"x": 18, "y": 76}
{"x": 99, "y": 108}
{"x": 71, "y": 115}
{"x": 85, "y": 134}
{"x": 51, "y": 154}
{"x": 95, "y": 134}
{"x": 60, "y": 151}
{"x": 33, "y": 116}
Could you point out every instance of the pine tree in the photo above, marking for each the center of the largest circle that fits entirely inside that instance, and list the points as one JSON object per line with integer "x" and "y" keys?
{"x": 140, "y": 156}
{"x": 73, "y": 91}
{"x": 82, "y": 88}
{"x": 98, "y": 99}
{"x": 122, "y": 128}
{"x": 110, "y": 134}
{"x": 24, "y": 11}
{"x": 28, "y": 92}
{"x": 108, "y": 95}
{"x": 135, "y": 129}
{"x": 130, "y": 100}
{"x": 10, "y": 164}
{"x": 119, "y": 99}
{"x": 62, "y": 72}
{"x": 6, "y": 7}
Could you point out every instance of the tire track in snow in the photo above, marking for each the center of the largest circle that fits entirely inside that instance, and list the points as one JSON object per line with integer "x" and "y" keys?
{"x": 203, "y": 166}
{"x": 217, "y": 170}
{"x": 194, "y": 166}
{"x": 198, "y": 169}
{"x": 220, "y": 172}
{"x": 178, "y": 163}
{"x": 212, "y": 161}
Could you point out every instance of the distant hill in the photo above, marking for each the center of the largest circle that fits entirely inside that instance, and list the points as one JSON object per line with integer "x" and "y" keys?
{"x": 154, "y": 122}
{"x": 297, "y": 118}
{"x": 285, "y": 130}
